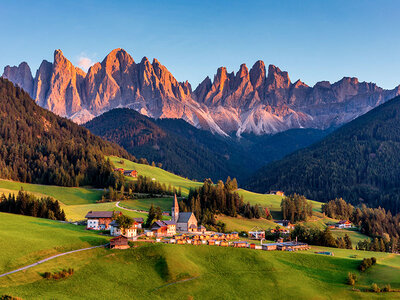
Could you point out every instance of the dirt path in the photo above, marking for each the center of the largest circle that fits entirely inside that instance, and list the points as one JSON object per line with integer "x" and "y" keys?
{"x": 49, "y": 258}
{"x": 129, "y": 209}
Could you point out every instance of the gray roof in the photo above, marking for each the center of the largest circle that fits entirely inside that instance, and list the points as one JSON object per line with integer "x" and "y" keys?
{"x": 184, "y": 217}
{"x": 138, "y": 220}
{"x": 169, "y": 222}
{"x": 157, "y": 224}
{"x": 100, "y": 214}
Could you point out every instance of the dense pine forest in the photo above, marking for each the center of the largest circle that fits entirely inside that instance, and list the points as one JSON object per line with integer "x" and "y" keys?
{"x": 359, "y": 162}
{"x": 36, "y": 146}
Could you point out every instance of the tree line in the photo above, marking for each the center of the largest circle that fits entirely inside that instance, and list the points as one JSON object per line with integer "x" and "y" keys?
{"x": 29, "y": 205}
{"x": 220, "y": 198}
{"x": 296, "y": 208}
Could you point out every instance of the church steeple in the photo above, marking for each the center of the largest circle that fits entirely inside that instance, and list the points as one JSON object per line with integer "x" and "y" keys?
{"x": 175, "y": 210}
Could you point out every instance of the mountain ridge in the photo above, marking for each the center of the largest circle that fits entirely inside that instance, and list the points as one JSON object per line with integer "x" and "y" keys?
{"x": 249, "y": 101}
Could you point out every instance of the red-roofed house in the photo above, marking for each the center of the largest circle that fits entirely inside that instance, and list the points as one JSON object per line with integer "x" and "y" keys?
{"x": 100, "y": 220}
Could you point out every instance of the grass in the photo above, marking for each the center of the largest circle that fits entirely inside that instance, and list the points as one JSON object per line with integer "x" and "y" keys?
{"x": 242, "y": 224}
{"x": 144, "y": 204}
{"x": 355, "y": 236}
{"x": 160, "y": 175}
{"x": 78, "y": 212}
{"x": 25, "y": 240}
{"x": 67, "y": 195}
{"x": 158, "y": 271}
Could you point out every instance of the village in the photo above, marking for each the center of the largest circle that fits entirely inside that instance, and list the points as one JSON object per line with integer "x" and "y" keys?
{"x": 183, "y": 229}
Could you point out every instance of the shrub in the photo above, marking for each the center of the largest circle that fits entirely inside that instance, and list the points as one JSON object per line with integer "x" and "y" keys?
{"x": 8, "y": 297}
{"x": 59, "y": 275}
{"x": 387, "y": 288}
{"x": 375, "y": 288}
{"x": 367, "y": 263}
{"x": 351, "y": 279}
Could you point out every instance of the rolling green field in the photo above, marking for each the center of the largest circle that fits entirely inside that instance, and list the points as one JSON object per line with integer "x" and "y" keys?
{"x": 67, "y": 195}
{"x": 144, "y": 204}
{"x": 201, "y": 272}
{"x": 160, "y": 175}
{"x": 242, "y": 224}
{"x": 25, "y": 240}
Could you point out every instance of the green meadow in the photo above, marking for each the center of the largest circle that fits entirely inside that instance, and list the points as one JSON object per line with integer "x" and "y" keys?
{"x": 160, "y": 271}
{"x": 25, "y": 240}
{"x": 160, "y": 175}
{"x": 144, "y": 204}
{"x": 67, "y": 195}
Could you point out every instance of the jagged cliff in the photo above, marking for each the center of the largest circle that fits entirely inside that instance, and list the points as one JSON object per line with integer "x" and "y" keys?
{"x": 253, "y": 101}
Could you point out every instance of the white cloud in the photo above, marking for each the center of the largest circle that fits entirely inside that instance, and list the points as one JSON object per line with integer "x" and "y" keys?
{"x": 85, "y": 62}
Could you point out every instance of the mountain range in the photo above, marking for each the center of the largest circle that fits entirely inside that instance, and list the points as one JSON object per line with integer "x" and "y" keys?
{"x": 248, "y": 101}
{"x": 359, "y": 161}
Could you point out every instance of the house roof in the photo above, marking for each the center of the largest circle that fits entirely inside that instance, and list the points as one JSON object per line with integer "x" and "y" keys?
{"x": 158, "y": 224}
{"x": 169, "y": 222}
{"x": 101, "y": 214}
{"x": 202, "y": 227}
{"x": 184, "y": 217}
{"x": 119, "y": 237}
{"x": 139, "y": 220}
{"x": 192, "y": 226}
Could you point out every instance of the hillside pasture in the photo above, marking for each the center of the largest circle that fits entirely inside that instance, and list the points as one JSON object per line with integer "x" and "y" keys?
{"x": 144, "y": 204}
{"x": 162, "y": 271}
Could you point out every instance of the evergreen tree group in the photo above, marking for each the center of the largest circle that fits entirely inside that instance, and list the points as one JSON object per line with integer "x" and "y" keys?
{"x": 29, "y": 205}
{"x": 296, "y": 208}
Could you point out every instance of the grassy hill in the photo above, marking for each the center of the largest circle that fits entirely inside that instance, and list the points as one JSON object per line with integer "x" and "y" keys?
{"x": 204, "y": 272}
{"x": 27, "y": 239}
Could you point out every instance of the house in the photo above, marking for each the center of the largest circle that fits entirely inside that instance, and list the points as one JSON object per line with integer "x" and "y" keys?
{"x": 257, "y": 235}
{"x": 119, "y": 242}
{"x": 163, "y": 228}
{"x": 278, "y": 193}
{"x": 280, "y": 230}
{"x": 196, "y": 242}
{"x": 211, "y": 242}
{"x": 201, "y": 229}
{"x": 285, "y": 223}
{"x": 269, "y": 247}
{"x": 121, "y": 170}
{"x": 139, "y": 221}
{"x": 224, "y": 243}
{"x": 344, "y": 224}
{"x": 115, "y": 230}
{"x": 185, "y": 221}
{"x": 100, "y": 220}
{"x": 240, "y": 244}
{"x": 130, "y": 173}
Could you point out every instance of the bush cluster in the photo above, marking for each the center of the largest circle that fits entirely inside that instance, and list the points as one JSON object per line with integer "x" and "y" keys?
{"x": 59, "y": 275}
{"x": 367, "y": 263}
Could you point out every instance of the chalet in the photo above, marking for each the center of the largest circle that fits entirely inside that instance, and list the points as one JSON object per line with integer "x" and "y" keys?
{"x": 100, "y": 220}
{"x": 139, "y": 222}
{"x": 163, "y": 228}
{"x": 292, "y": 246}
{"x": 224, "y": 243}
{"x": 269, "y": 247}
{"x": 285, "y": 223}
{"x": 240, "y": 244}
{"x": 211, "y": 242}
{"x": 278, "y": 193}
{"x": 119, "y": 242}
{"x": 131, "y": 173}
{"x": 115, "y": 230}
{"x": 185, "y": 221}
{"x": 344, "y": 224}
{"x": 196, "y": 242}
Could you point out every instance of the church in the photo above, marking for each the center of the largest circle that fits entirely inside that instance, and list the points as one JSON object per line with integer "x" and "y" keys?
{"x": 185, "y": 221}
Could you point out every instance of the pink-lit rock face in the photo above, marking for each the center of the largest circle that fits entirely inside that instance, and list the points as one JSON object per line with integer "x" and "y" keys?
{"x": 254, "y": 101}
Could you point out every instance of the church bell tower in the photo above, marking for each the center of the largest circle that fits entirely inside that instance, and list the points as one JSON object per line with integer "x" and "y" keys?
{"x": 175, "y": 210}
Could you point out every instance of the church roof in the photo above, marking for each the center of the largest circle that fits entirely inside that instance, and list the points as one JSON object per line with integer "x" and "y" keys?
{"x": 184, "y": 217}
{"x": 176, "y": 205}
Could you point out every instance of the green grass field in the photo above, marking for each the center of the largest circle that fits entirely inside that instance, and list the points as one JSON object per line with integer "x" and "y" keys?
{"x": 25, "y": 240}
{"x": 158, "y": 271}
{"x": 67, "y": 195}
{"x": 160, "y": 175}
{"x": 144, "y": 204}
{"x": 242, "y": 224}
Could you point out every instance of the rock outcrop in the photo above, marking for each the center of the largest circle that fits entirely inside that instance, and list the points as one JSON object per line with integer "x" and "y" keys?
{"x": 254, "y": 101}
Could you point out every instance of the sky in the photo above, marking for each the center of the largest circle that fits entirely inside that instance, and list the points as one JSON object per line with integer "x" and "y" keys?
{"x": 312, "y": 40}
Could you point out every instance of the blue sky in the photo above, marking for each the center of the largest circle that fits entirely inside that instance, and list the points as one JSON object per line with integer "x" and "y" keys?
{"x": 312, "y": 40}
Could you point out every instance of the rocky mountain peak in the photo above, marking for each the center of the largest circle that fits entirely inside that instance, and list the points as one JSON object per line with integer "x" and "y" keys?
{"x": 20, "y": 76}
{"x": 277, "y": 79}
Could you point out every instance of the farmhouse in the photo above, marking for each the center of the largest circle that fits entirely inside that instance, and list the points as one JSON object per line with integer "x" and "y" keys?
{"x": 344, "y": 224}
{"x": 100, "y": 220}
{"x": 139, "y": 222}
{"x": 278, "y": 193}
{"x": 163, "y": 228}
{"x": 285, "y": 223}
{"x": 119, "y": 242}
{"x": 115, "y": 230}
{"x": 121, "y": 170}
{"x": 185, "y": 221}
{"x": 240, "y": 244}
{"x": 131, "y": 173}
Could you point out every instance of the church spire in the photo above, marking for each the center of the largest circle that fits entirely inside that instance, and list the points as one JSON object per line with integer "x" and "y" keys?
{"x": 175, "y": 210}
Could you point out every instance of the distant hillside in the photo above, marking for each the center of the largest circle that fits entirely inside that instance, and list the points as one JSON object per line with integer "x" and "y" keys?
{"x": 359, "y": 162}
{"x": 194, "y": 153}
{"x": 36, "y": 146}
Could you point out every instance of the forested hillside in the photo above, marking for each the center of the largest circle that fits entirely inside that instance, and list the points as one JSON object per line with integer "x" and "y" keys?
{"x": 36, "y": 146}
{"x": 359, "y": 162}
{"x": 194, "y": 153}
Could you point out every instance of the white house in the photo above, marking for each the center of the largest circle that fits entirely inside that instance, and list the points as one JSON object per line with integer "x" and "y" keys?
{"x": 344, "y": 224}
{"x": 115, "y": 230}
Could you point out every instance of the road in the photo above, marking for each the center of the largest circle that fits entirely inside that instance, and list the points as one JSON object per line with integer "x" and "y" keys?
{"x": 49, "y": 258}
{"x": 129, "y": 209}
